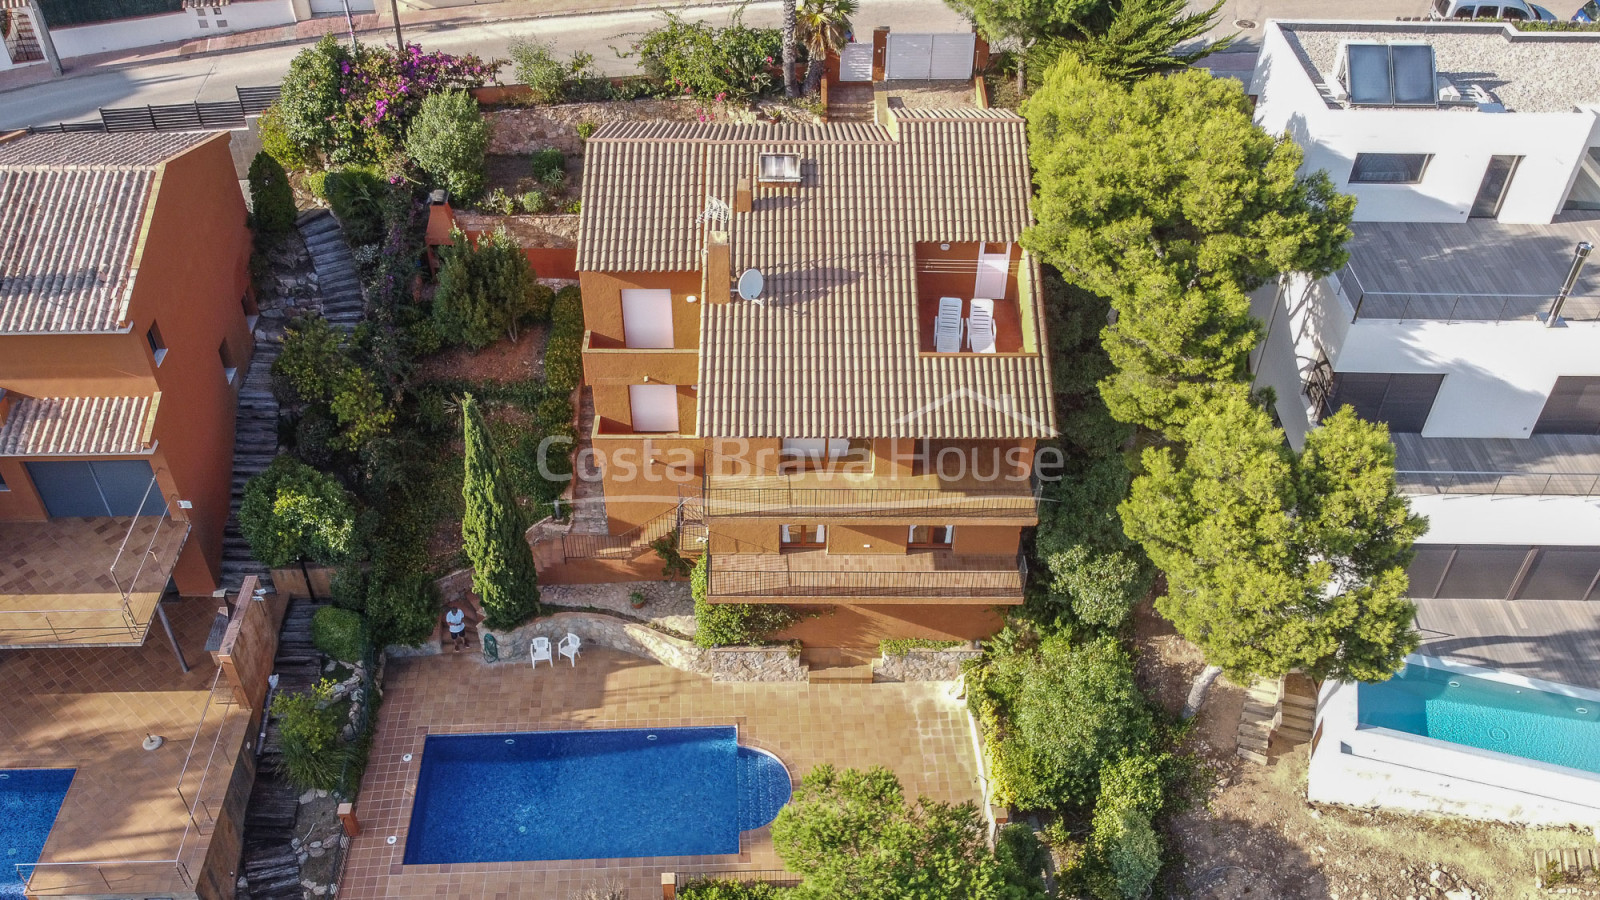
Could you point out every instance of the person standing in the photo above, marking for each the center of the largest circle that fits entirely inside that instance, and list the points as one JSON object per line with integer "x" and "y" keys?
{"x": 456, "y": 618}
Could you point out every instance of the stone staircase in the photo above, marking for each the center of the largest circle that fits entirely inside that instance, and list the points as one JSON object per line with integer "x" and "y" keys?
{"x": 255, "y": 443}
{"x": 851, "y": 103}
{"x": 338, "y": 284}
{"x": 1299, "y": 711}
{"x": 588, "y": 497}
{"x": 1282, "y": 710}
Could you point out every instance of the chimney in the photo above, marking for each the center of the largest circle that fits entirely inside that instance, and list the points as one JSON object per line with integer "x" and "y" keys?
{"x": 741, "y": 195}
{"x": 718, "y": 265}
{"x": 1580, "y": 255}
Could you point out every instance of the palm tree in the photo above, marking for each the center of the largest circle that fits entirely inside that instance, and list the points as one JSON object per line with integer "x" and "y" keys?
{"x": 824, "y": 25}
{"x": 790, "y": 89}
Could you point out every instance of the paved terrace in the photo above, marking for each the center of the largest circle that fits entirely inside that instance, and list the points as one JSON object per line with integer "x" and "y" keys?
{"x": 915, "y": 729}
{"x": 90, "y": 709}
{"x": 1552, "y": 640}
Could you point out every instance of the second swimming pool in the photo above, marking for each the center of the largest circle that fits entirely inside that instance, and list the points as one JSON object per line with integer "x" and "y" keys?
{"x": 605, "y": 794}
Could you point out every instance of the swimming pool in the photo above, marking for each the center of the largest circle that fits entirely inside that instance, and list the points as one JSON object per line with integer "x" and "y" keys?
{"x": 604, "y": 794}
{"x": 29, "y": 801}
{"x": 1493, "y": 715}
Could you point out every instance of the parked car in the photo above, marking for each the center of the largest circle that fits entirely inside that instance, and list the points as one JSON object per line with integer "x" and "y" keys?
{"x": 1511, "y": 10}
{"x": 1589, "y": 12}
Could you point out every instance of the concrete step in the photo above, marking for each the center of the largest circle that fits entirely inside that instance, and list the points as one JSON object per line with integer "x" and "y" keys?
{"x": 1299, "y": 702}
{"x": 1253, "y": 756}
{"x": 842, "y": 675}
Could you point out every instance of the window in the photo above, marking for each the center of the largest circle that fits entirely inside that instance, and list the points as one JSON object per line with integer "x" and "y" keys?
{"x": 1465, "y": 12}
{"x": 1442, "y": 7}
{"x": 1389, "y": 168}
{"x": 1513, "y": 14}
{"x": 1400, "y": 401}
{"x": 805, "y": 535}
{"x": 1488, "y": 12}
{"x": 158, "y": 347}
{"x": 816, "y": 454}
{"x": 934, "y": 536}
{"x": 229, "y": 367}
{"x": 3, "y": 486}
{"x": 1573, "y": 407}
{"x": 783, "y": 168}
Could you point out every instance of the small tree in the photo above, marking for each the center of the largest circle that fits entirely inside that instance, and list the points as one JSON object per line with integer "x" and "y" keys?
{"x": 824, "y": 26}
{"x": 790, "y": 88}
{"x": 503, "y": 572}
{"x": 271, "y": 199}
{"x": 292, "y": 512}
{"x": 485, "y": 290}
{"x": 1276, "y": 562}
{"x": 1142, "y": 39}
{"x": 851, "y": 834}
{"x": 448, "y": 139}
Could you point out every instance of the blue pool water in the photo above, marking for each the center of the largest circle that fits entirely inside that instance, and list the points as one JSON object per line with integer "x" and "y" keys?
{"x": 29, "y": 801}
{"x": 1489, "y": 715}
{"x": 590, "y": 795}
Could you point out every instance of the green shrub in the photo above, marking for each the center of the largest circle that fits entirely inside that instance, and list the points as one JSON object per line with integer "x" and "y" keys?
{"x": 340, "y": 633}
{"x": 673, "y": 565}
{"x": 357, "y": 197}
{"x": 548, "y": 166}
{"x": 360, "y": 407}
{"x": 1023, "y": 860}
{"x": 271, "y": 198}
{"x": 586, "y": 130}
{"x": 311, "y": 356}
{"x": 1124, "y": 842}
{"x": 448, "y": 139}
{"x": 563, "y": 354}
{"x": 276, "y": 142}
{"x": 721, "y": 889}
{"x": 485, "y": 290}
{"x": 500, "y": 203}
{"x": 575, "y": 207}
{"x": 317, "y": 184}
{"x": 549, "y": 80}
{"x": 902, "y": 646}
{"x": 404, "y": 610}
{"x": 697, "y": 59}
{"x": 291, "y": 512}
{"x": 308, "y": 729}
{"x": 1102, "y": 588}
{"x": 726, "y": 624}
{"x": 535, "y": 202}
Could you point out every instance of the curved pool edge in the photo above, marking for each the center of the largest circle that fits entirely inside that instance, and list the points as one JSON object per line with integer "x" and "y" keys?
{"x": 788, "y": 781}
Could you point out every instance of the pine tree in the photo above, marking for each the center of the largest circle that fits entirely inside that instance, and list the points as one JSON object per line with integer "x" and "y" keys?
{"x": 503, "y": 572}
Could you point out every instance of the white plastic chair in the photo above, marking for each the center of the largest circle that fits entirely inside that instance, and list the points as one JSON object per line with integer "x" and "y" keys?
{"x": 569, "y": 648}
{"x": 540, "y": 649}
{"x": 980, "y": 327}
{"x": 947, "y": 326}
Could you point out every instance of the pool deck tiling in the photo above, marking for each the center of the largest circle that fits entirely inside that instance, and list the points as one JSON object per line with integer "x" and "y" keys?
{"x": 917, "y": 730}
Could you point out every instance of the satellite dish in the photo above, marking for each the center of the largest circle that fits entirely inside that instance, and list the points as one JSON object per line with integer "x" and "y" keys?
{"x": 750, "y": 284}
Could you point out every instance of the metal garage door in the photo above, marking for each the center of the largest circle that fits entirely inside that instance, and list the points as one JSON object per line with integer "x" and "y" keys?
{"x": 336, "y": 7}
{"x": 930, "y": 56}
{"x": 855, "y": 62}
{"x": 97, "y": 488}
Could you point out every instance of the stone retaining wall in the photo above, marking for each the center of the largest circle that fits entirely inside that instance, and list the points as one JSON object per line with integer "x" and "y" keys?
{"x": 924, "y": 665}
{"x": 595, "y": 629}
{"x": 757, "y": 664}
{"x": 524, "y": 131}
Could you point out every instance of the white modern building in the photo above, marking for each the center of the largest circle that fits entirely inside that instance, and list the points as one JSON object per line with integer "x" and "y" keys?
{"x": 1465, "y": 319}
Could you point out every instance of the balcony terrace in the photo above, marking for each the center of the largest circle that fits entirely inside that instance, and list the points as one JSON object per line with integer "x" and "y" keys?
{"x": 841, "y": 497}
{"x": 916, "y": 577}
{"x": 965, "y": 271}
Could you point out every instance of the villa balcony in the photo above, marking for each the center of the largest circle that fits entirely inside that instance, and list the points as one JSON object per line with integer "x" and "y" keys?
{"x": 928, "y": 576}
{"x": 836, "y": 497}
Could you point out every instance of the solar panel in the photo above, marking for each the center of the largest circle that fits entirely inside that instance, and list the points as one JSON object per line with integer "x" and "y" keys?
{"x": 1413, "y": 74}
{"x": 1368, "y": 76}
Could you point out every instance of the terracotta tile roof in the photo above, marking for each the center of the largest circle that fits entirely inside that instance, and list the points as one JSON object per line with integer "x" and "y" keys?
{"x": 71, "y": 209}
{"x": 78, "y": 426}
{"x": 834, "y": 350}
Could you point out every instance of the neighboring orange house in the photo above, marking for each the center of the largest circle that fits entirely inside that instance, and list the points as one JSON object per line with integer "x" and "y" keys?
{"x": 125, "y": 332}
{"x": 769, "y": 362}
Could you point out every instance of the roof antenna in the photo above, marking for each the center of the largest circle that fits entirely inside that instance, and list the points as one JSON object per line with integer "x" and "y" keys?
{"x": 715, "y": 212}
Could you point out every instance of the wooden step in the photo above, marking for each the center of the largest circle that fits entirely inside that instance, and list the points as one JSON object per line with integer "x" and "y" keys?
{"x": 1300, "y": 702}
{"x": 842, "y": 675}
{"x": 1252, "y": 755}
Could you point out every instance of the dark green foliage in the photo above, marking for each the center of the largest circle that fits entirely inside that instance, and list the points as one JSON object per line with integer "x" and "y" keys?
{"x": 902, "y": 646}
{"x": 673, "y": 565}
{"x": 503, "y": 574}
{"x": 1276, "y": 561}
{"x": 308, "y": 726}
{"x": 271, "y": 198}
{"x": 729, "y": 624}
{"x": 1023, "y": 860}
{"x": 1142, "y": 39}
{"x": 852, "y": 834}
{"x": 292, "y": 512}
{"x": 548, "y": 166}
{"x": 720, "y": 889}
{"x": 1165, "y": 198}
{"x": 1101, "y": 587}
{"x": 341, "y": 405}
{"x": 310, "y": 105}
{"x": 563, "y": 353}
{"x": 1054, "y": 716}
{"x": 357, "y": 197}
{"x": 339, "y": 633}
{"x": 276, "y": 142}
{"x": 485, "y": 290}
{"x": 1124, "y": 845}
{"x": 550, "y": 80}
{"x": 448, "y": 139}
{"x": 693, "y": 58}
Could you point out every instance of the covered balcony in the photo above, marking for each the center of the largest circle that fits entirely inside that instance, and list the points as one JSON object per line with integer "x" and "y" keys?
{"x": 961, "y": 283}
{"x": 816, "y": 575}
{"x": 839, "y": 497}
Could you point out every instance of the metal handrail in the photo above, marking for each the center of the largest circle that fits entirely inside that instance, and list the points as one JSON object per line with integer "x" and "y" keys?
{"x": 1458, "y": 306}
{"x": 1517, "y": 484}
{"x": 635, "y": 540}
{"x": 999, "y": 582}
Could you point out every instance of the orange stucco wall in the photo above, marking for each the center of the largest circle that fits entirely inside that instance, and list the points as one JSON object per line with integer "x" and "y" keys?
{"x": 602, "y": 302}
{"x": 863, "y": 627}
{"x": 193, "y": 275}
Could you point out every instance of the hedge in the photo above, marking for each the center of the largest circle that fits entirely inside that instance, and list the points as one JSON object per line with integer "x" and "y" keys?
{"x": 563, "y": 355}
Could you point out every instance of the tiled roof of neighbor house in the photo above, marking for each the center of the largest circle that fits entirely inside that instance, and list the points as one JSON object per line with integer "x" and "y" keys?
{"x": 71, "y": 209}
{"x": 1527, "y": 71}
{"x": 833, "y": 350}
{"x": 76, "y": 426}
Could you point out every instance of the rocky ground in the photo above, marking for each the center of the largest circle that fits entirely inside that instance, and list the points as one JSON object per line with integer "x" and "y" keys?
{"x": 1252, "y": 833}
{"x": 668, "y": 604}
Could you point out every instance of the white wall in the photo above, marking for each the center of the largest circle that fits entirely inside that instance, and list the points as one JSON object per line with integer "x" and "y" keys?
{"x": 1460, "y": 141}
{"x": 1536, "y": 521}
{"x": 146, "y": 31}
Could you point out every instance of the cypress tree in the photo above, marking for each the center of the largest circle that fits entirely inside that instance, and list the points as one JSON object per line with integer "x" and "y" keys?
{"x": 503, "y": 573}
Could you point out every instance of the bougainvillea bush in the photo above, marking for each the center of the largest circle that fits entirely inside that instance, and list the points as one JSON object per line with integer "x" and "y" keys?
{"x": 354, "y": 104}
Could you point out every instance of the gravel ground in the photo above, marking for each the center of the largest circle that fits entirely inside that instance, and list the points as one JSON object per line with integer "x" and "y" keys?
{"x": 667, "y": 603}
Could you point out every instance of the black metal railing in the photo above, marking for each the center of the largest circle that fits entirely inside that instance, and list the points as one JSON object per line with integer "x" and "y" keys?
{"x": 1456, "y": 306}
{"x": 219, "y": 115}
{"x": 1510, "y": 484}
{"x": 683, "y": 519}
{"x": 1003, "y": 581}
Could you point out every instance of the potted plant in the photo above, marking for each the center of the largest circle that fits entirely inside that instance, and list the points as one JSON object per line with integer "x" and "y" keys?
{"x": 636, "y": 599}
